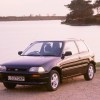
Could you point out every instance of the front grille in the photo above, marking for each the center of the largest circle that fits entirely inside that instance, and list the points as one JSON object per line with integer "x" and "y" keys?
{"x": 16, "y": 69}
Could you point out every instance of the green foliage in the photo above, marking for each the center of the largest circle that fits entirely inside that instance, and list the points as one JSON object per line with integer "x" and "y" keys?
{"x": 80, "y": 9}
{"x": 98, "y": 64}
{"x": 97, "y": 6}
{"x": 97, "y": 3}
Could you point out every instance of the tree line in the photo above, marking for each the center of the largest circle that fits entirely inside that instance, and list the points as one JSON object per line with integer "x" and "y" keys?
{"x": 31, "y": 18}
{"x": 82, "y": 11}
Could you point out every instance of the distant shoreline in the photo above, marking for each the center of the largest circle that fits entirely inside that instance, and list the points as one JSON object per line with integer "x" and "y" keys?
{"x": 92, "y": 20}
{"x": 31, "y": 18}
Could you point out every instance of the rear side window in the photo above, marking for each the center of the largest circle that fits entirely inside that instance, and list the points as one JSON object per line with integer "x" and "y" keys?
{"x": 82, "y": 46}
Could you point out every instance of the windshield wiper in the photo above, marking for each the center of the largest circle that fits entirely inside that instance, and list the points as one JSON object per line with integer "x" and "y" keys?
{"x": 39, "y": 55}
{"x": 49, "y": 55}
{"x": 31, "y": 55}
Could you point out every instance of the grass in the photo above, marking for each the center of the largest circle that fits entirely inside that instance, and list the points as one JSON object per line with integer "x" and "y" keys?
{"x": 98, "y": 64}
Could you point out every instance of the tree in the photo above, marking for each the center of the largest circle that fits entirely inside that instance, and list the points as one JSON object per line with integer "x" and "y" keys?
{"x": 97, "y": 6}
{"x": 80, "y": 9}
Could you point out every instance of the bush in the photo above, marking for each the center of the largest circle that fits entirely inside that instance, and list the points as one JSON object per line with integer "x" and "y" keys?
{"x": 98, "y": 64}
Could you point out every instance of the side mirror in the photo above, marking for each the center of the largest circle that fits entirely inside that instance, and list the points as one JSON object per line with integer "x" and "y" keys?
{"x": 20, "y": 52}
{"x": 68, "y": 53}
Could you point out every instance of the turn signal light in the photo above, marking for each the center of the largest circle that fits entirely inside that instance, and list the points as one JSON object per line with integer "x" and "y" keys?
{"x": 35, "y": 75}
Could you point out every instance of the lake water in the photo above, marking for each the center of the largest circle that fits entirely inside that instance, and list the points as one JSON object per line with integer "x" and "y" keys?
{"x": 17, "y": 35}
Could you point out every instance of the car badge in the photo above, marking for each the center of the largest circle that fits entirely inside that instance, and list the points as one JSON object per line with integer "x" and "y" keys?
{"x": 16, "y": 69}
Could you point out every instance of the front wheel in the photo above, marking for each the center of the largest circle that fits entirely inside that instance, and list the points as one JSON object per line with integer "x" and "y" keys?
{"x": 54, "y": 80}
{"x": 9, "y": 85}
{"x": 90, "y": 72}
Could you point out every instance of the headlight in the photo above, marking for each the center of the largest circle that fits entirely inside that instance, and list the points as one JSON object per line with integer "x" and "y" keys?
{"x": 33, "y": 69}
{"x": 2, "y": 68}
{"x": 41, "y": 70}
{"x": 37, "y": 69}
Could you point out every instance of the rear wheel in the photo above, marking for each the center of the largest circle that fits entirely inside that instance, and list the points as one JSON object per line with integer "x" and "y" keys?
{"x": 54, "y": 80}
{"x": 9, "y": 85}
{"x": 90, "y": 72}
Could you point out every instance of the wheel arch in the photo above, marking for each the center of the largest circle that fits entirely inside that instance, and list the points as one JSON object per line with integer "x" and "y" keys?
{"x": 94, "y": 63}
{"x": 59, "y": 71}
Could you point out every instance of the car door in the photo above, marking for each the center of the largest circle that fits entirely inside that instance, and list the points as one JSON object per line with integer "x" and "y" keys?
{"x": 70, "y": 64}
{"x": 83, "y": 55}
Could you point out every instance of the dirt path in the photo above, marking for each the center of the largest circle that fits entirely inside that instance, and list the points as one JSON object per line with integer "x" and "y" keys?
{"x": 71, "y": 89}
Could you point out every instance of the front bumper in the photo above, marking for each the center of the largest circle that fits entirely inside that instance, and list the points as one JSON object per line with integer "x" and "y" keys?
{"x": 30, "y": 79}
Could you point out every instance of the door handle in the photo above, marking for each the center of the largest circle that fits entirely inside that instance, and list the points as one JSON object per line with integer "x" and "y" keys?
{"x": 79, "y": 57}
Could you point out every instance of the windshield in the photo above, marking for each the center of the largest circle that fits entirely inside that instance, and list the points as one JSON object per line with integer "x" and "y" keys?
{"x": 44, "y": 48}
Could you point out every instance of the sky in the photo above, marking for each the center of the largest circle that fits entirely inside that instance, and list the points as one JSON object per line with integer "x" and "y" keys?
{"x": 33, "y": 7}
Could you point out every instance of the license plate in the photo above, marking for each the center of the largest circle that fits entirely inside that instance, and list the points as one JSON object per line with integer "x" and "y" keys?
{"x": 16, "y": 78}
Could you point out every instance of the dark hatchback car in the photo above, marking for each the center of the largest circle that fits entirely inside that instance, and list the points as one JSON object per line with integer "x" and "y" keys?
{"x": 48, "y": 62}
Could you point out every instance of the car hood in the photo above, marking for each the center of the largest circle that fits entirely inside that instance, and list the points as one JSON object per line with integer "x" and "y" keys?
{"x": 32, "y": 61}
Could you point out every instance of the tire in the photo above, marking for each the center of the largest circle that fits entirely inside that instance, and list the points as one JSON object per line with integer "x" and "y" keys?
{"x": 90, "y": 72}
{"x": 9, "y": 85}
{"x": 54, "y": 80}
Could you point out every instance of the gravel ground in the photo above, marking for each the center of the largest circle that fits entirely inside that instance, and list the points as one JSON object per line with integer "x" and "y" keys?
{"x": 72, "y": 89}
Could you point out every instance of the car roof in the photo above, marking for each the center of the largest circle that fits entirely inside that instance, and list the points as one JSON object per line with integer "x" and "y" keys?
{"x": 68, "y": 39}
{"x": 73, "y": 39}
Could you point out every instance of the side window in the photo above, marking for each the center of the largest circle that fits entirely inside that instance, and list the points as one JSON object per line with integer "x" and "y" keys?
{"x": 71, "y": 46}
{"x": 82, "y": 47}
